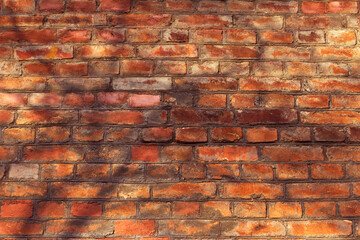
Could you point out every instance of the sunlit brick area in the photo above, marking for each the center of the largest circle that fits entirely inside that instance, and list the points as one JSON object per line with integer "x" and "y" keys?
{"x": 179, "y": 120}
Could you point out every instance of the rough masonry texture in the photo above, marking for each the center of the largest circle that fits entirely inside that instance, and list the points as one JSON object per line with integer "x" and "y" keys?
{"x": 179, "y": 119}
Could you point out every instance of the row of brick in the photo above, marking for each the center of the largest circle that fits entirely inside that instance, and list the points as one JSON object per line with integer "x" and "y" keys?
{"x": 14, "y": 135}
{"x": 117, "y": 35}
{"x": 192, "y": 68}
{"x": 181, "y": 190}
{"x": 179, "y": 116}
{"x": 133, "y": 100}
{"x": 161, "y": 228}
{"x": 177, "y": 209}
{"x": 149, "y": 173}
{"x": 153, "y": 153}
{"x": 188, "y": 51}
{"x": 28, "y": 6}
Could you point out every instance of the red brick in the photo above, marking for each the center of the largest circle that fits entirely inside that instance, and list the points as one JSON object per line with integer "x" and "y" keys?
{"x": 85, "y": 209}
{"x": 74, "y": 35}
{"x": 110, "y": 35}
{"x": 57, "y": 171}
{"x": 43, "y": 52}
{"x": 17, "y": 209}
{"x": 21, "y": 21}
{"x": 121, "y": 134}
{"x": 120, "y": 209}
{"x": 227, "y": 153}
{"x": 276, "y": 37}
{"x": 248, "y": 190}
{"x": 223, "y": 171}
{"x": 313, "y": 101}
{"x": 266, "y": 116}
{"x": 45, "y": 99}
{"x": 262, "y": 134}
{"x": 116, "y": 6}
{"x": 243, "y": 100}
{"x": 53, "y": 6}
{"x": 21, "y": 228}
{"x": 191, "y": 134}
{"x": 327, "y": 171}
{"x": 229, "y": 52}
{"x": 346, "y": 101}
{"x": 84, "y": 6}
{"x": 354, "y": 134}
{"x": 240, "y": 6}
{"x": 295, "y": 134}
{"x": 28, "y": 36}
{"x": 19, "y": 6}
{"x": 145, "y": 153}
{"x": 350, "y": 208}
{"x": 212, "y": 100}
{"x": 185, "y": 227}
{"x": 313, "y": 7}
{"x": 174, "y": 5}
{"x": 311, "y": 36}
{"x": 292, "y": 171}
{"x": 318, "y": 190}
{"x": 134, "y": 191}
{"x": 343, "y": 7}
{"x": 53, "y": 153}
{"x": 112, "y": 117}
{"x": 320, "y": 209}
{"x": 157, "y": 134}
{"x": 145, "y": 20}
{"x": 47, "y": 209}
{"x": 332, "y": 69}
{"x": 176, "y": 35}
{"x": 332, "y": 134}
{"x": 22, "y": 83}
{"x": 343, "y": 37}
{"x": 143, "y": 35}
{"x": 267, "y": 69}
{"x": 206, "y": 83}
{"x": 277, "y": 101}
{"x": 333, "y": 228}
{"x": 203, "y": 21}
{"x": 112, "y": 98}
{"x": 215, "y": 209}
{"x": 88, "y": 134}
{"x": 39, "y": 68}
{"x": 278, "y": 6}
{"x": 269, "y": 84}
{"x": 285, "y": 53}
{"x": 335, "y": 53}
{"x": 45, "y": 116}
{"x": 343, "y": 153}
{"x": 82, "y": 190}
{"x": 253, "y": 228}
{"x": 164, "y": 51}
{"x": 53, "y": 134}
{"x": 23, "y": 189}
{"x": 193, "y": 171}
{"x": 176, "y": 153}
{"x": 330, "y": 117}
{"x": 137, "y": 67}
{"x": 257, "y": 171}
{"x": 293, "y": 153}
{"x": 18, "y": 135}
{"x": 13, "y": 99}
{"x": 207, "y": 35}
{"x": 259, "y": 22}
{"x": 181, "y": 116}
{"x": 102, "y": 51}
{"x": 184, "y": 190}
{"x": 240, "y": 36}
{"x": 84, "y": 228}
{"x": 285, "y": 210}
{"x": 186, "y": 209}
{"x": 148, "y": 6}
{"x": 135, "y": 227}
{"x": 312, "y": 22}
{"x": 226, "y": 134}
{"x": 250, "y": 209}
{"x": 158, "y": 209}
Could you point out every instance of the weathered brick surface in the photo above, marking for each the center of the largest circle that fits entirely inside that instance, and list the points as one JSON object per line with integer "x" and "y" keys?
{"x": 179, "y": 119}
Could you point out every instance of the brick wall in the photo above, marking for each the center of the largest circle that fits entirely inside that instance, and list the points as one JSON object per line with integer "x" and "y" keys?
{"x": 179, "y": 119}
